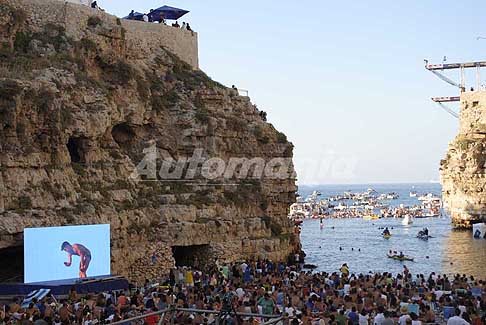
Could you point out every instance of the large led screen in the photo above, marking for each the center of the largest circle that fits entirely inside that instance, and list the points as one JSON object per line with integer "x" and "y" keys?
{"x": 58, "y": 253}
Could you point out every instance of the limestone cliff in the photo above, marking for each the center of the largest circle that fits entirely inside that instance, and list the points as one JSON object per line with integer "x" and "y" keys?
{"x": 463, "y": 169}
{"x": 79, "y": 104}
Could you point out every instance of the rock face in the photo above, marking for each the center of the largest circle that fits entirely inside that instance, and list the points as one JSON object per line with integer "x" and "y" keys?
{"x": 463, "y": 170}
{"x": 79, "y": 114}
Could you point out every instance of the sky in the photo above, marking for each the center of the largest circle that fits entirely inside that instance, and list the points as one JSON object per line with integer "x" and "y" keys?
{"x": 344, "y": 80}
{"x": 44, "y": 260}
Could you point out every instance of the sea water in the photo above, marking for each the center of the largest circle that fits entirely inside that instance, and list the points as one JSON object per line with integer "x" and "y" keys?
{"x": 364, "y": 249}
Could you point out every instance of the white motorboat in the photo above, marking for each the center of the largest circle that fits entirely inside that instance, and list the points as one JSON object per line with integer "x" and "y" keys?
{"x": 407, "y": 220}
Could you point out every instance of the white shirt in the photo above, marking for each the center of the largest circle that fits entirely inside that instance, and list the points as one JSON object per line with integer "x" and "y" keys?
{"x": 290, "y": 311}
{"x": 438, "y": 294}
{"x": 363, "y": 320}
{"x": 403, "y": 319}
{"x": 240, "y": 292}
{"x": 379, "y": 318}
{"x": 347, "y": 287}
{"x": 243, "y": 267}
{"x": 456, "y": 320}
{"x": 416, "y": 322}
{"x": 145, "y": 18}
{"x": 462, "y": 309}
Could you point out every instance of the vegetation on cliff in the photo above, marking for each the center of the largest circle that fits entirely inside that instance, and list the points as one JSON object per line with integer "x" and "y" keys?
{"x": 75, "y": 118}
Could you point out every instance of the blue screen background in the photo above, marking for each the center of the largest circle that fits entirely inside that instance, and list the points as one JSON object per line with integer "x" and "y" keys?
{"x": 44, "y": 260}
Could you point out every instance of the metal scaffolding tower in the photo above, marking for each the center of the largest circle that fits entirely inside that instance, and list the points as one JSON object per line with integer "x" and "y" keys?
{"x": 437, "y": 70}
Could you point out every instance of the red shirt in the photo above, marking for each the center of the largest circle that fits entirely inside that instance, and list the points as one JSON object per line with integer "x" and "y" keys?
{"x": 152, "y": 320}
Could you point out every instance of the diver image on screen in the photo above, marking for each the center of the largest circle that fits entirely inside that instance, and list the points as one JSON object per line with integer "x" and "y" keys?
{"x": 82, "y": 252}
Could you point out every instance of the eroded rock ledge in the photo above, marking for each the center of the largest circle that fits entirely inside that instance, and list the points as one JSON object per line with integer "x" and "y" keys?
{"x": 463, "y": 169}
{"x": 75, "y": 117}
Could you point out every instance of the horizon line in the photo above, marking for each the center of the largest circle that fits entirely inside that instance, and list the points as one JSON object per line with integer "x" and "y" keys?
{"x": 370, "y": 183}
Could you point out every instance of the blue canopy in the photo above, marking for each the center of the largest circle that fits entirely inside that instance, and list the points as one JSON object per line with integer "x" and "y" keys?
{"x": 169, "y": 13}
{"x": 136, "y": 16}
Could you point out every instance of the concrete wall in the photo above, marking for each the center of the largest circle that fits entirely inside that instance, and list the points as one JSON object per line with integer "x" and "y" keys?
{"x": 140, "y": 36}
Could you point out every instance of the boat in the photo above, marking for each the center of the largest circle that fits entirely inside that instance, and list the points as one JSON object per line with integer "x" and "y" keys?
{"x": 428, "y": 197}
{"x": 407, "y": 220}
{"x": 413, "y": 194}
{"x": 392, "y": 196}
{"x": 387, "y": 236}
{"x": 371, "y": 217}
{"x": 400, "y": 258}
{"x": 341, "y": 207}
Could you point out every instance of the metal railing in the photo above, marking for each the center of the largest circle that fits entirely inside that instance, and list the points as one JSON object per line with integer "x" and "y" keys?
{"x": 220, "y": 319}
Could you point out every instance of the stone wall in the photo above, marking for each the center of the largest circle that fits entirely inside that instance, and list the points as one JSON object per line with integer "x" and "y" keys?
{"x": 142, "y": 38}
{"x": 463, "y": 170}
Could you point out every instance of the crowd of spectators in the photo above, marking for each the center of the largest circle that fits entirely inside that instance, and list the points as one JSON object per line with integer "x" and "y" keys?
{"x": 263, "y": 287}
{"x": 154, "y": 17}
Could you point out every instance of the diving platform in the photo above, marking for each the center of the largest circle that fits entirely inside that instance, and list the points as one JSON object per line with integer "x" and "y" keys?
{"x": 449, "y": 66}
{"x": 438, "y": 70}
{"x": 446, "y": 99}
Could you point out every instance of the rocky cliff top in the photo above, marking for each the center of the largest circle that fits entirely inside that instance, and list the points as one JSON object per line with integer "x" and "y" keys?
{"x": 78, "y": 115}
{"x": 463, "y": 169}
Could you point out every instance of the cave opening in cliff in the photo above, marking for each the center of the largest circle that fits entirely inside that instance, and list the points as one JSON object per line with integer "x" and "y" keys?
{"x": 123, "y": 134}
{"x": 194, "y": 255}
{"x": 12, "y": 262}
{"x": 74, "y": 147}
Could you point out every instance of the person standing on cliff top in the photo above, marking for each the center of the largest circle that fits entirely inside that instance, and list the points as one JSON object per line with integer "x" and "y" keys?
{"x": 151, "y": 16}
{"x": 162, "y": 18}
